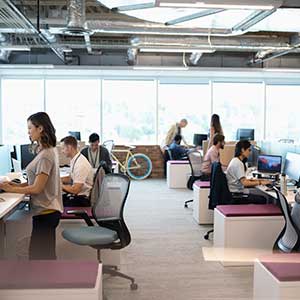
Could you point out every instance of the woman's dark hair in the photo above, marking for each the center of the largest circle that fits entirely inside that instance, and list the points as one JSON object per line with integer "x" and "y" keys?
{"x": 216, "y": 124}
{"x": 48, "y": 138}
{"x": 242, "y": 145}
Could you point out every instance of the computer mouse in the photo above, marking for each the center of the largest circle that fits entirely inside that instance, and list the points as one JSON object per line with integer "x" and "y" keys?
{"x": 270, "y": 185}
{"x": 16, "y": 180}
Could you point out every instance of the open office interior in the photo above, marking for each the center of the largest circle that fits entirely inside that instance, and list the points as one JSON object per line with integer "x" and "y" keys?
{"x": 149, "y": 149}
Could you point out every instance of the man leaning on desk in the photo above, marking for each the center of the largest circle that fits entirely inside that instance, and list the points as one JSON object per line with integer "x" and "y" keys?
{"x": 78, "y": 185}
{"x": 236, "y": 177}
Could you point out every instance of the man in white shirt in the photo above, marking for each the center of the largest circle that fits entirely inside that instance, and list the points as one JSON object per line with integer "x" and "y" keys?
{"x": 79, "y": 184}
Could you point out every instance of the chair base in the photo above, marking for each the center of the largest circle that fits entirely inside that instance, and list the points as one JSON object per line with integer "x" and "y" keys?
{"x": 186, "y": 203}
{"x": 208, "y": 233}
{"x": 112, "y": 270}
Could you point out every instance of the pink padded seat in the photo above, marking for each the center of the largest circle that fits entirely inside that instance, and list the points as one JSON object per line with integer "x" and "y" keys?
{"x": 42, "y": 274}
{"x": 285, "y": 267}
{"x": 64, "y": 215}
{"x": 249, "y": 210}
{"x": 178, "y": 162}
{"x": 202, "y": 184}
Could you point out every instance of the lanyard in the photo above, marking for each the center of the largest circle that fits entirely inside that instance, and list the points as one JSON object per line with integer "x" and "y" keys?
{"x": 75, "y": 163}
{"x": 94, "y": 162}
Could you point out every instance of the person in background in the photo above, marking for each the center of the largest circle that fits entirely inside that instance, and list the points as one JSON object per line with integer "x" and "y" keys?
{"x": 236, "y": 177}
{"x": 79, "y": 184}
{"x": 43, "y": 186}
{"x": 215, "y": 127}
{"x": 212, "y": 155}
{"x": 96, "y": 153}
{"x": 175, "y": 129}
{"x": 178, "y": 152}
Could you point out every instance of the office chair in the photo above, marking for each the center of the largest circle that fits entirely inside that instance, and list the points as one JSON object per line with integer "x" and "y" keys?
{"x": 219, "y": 191}
{"x": 167, "y": 156}
{"x": 109, "y": 145}
{"x": 110, "y": 231}
{"x": 289, "y": 238}
{"x": 195, "y": 161}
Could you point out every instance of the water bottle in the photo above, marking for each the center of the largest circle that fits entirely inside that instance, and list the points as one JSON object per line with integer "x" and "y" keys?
{"x": 283, "y": 185}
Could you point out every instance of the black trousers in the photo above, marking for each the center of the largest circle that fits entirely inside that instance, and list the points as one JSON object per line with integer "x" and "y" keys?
{"x": 42, "y": 242}
{"x": 77, "y": 201}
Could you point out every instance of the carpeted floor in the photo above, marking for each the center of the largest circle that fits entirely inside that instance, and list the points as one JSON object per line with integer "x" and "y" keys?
{"x": 165, "y": 255}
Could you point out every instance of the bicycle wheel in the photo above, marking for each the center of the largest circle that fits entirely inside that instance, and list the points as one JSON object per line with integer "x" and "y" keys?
{"x": 139, "y": 166}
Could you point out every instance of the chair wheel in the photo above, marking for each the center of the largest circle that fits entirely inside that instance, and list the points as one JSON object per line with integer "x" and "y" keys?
{"x": 185, "y": 205}
{"x": 206, "y": 237}
{"x": 133, "y": 286}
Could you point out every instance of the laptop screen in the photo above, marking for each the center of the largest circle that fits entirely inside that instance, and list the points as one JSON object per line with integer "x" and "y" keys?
{"x": 269, "y": 163}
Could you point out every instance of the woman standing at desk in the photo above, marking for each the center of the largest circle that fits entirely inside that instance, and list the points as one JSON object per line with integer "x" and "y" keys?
{"x": 44, "y": 187}
{"x": 215, "y": 127}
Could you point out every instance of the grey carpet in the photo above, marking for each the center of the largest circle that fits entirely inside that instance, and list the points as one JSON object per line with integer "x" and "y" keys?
{"x": 165, "y": 255}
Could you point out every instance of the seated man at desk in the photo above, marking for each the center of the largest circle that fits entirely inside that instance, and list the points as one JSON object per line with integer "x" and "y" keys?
{"x": 237, "y": 181}
{"x": 212, "y": 155}
{"x": 96, "y": 153}
{"x": 79, "y": 184}
{"x": 178, "y": 152}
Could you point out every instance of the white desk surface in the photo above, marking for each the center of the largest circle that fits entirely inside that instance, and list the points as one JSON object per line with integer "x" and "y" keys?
{"x": 290, "y": 197}
{"x": 11, "y": 201}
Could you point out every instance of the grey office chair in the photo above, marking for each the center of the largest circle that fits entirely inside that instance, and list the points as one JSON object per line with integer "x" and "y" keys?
{"x": 110, "y": 232}
{"x": 289, "y": 238}
{"x": 109, "y": 145}
{"x": 195, "y": 161}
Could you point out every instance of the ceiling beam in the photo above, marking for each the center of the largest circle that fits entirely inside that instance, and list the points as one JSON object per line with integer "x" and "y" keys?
{"x": 201, "y": 14}
{"x": 252, "y": 20}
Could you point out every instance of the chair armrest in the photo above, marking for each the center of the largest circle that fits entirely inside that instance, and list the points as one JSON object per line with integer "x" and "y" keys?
{"x": 82, "y": 214}
{"x": 108, "y": 219}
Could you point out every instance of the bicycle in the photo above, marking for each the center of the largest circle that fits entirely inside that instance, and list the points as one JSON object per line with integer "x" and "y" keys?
{"x": 138, "y": 166}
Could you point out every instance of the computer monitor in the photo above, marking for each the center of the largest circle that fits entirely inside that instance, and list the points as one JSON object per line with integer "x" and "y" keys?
{"x": 269, "y": 164}
{"x": 5, "y": 161}
{"x": 292, "y": 165}
{"x": 199, "y": 138}
{"x": 26, "y": 155}
{"x": 76, "y": 135}
{"x": 245, "y": 134}
{"x": 255, "y": 152}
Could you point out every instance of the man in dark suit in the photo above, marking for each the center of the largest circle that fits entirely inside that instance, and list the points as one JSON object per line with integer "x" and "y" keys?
{"x": 96, "y": 153}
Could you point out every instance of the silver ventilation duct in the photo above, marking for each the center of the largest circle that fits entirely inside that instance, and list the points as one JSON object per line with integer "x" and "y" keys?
{"x": 76, "y": 18}
{"x": 194, "y": 58}
{"x": 4, "y": 54}
{"x": 132, "y": 56}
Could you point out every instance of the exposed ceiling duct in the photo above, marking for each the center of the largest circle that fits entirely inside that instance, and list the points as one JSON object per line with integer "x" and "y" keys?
{"x": 76, "y": 18}
{"x": 194, "y": 58}
{"x": 132, "y": 56}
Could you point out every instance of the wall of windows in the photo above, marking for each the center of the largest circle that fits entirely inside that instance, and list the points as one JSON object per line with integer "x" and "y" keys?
{"x": 140, "y": 109}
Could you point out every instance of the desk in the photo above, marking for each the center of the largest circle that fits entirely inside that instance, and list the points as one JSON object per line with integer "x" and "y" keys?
{"x": 7, "y": 207}
{"x": 290, "y": 197}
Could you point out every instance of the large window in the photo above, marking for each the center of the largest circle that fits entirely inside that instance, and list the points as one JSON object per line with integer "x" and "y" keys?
{"x": 189, "y": 101}
{"x": 129, "y": 111}
{"x": 239, "y": 105}
{"x": 282, "y": 114}
{"x": 20, "y": 99}
{"x": 74, "y": 105}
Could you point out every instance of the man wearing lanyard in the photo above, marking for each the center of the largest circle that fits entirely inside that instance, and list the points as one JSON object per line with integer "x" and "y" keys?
{"x": 95, "y": 153}
{"x": 78, "y": 185}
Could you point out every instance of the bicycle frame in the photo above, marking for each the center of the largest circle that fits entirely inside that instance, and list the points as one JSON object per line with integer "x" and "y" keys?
{"x": 124, "y": 167}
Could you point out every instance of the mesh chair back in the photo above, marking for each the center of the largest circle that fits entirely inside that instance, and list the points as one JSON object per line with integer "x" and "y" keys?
{"x": 109, "y": 145}
{"x": 288, "y": 240}
{"x": 195, "y": 160}
{"x": 169, "y": 154}
{"x": 110, "y": 202}
{"x": 98, "y": 178}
